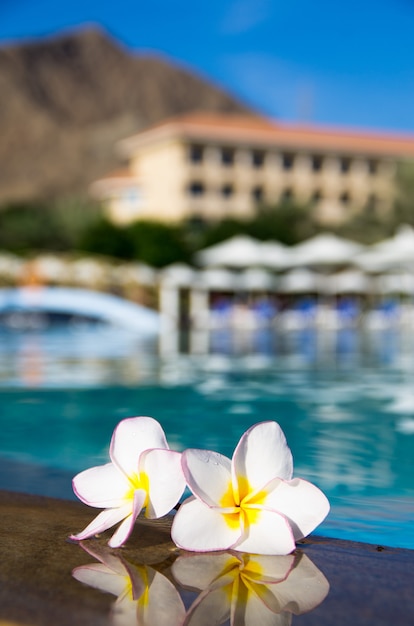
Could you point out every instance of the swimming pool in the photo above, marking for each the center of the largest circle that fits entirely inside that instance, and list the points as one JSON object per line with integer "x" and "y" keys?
{"x": 345, "y": 402}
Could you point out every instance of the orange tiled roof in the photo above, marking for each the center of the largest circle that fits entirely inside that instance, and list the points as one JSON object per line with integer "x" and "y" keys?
{"x": 116, "y": 179}
{"x": 260, "y": 130}
{"x": 117, "y": 174}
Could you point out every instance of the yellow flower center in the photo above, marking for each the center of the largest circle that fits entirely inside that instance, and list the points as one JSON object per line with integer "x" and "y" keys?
{"x": 228, "y": 500}
{"x": 244, "y": 576}
{"x": 246, "y": 504}
{"x": 138, "y": 481}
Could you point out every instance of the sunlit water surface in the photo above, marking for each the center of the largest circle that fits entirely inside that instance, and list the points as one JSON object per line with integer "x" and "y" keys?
{"x": 344, "y": 399}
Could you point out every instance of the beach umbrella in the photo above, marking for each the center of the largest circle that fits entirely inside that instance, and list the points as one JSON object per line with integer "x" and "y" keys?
{"x": 137, "y": 273}
{"x": 238, "y": 252}
{"x": 397, "y": 251}
{"x": 51, "y": 268}
{"x": 218, "y": 279}
{"x": 178, "y": 275}
{"x": 274, "y": 255}
{"x": 11, "y": 267}
{"x": 257, "y": 279}
{"x": 324, "y": 251}
{"x": 351, "y": 282}
{"x": 396, "y": 283}
{"x": 89, "y": 272}
{"x": 301, "y": 281}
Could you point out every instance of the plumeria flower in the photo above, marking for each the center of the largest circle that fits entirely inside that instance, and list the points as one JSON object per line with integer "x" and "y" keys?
{"x": 143, "y": 474}
{"x": 249, "y": 503}
{"x": 145, "y": 597}
{"x": 249, "y": 589}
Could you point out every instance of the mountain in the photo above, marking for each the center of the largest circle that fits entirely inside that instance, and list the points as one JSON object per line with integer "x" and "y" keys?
{"x": 65, "y": 101}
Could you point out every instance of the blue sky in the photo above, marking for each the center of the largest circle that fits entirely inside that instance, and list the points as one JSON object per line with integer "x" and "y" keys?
{"x": 347, "y": 64}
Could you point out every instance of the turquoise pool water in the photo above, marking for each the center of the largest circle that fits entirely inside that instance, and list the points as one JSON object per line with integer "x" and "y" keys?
{"x": 345, "y": 402}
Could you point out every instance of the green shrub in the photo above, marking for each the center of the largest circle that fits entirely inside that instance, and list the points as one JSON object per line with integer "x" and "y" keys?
{"x": 105, "y": 238}
{"x": 158, "y": 244}
{"x": 25, "y": 227}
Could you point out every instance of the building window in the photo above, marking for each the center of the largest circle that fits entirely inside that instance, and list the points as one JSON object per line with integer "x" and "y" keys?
{"x": 258, "y": 157}
{"x": 372, "y": 204}
{"x": 317, "y": 162}
{"x": 345, "y": 165}
{"x": 258, "y": 194}
{"x": 196, "y": 222}
{"x": 344, "y": 198}
{"x": 316, "y": 196}
{"x": 227, "y": 190}
{"x": 132, "y": 198}
{"x": 287, "y": 195}
{"x": 196, "y": 188}
{"x": 372, "y": 166}
{"x": 131, "y": 195}
{"x": 288, "y": 160}
{"x": 227, "y": 156}
{"x": 196, "y": 153}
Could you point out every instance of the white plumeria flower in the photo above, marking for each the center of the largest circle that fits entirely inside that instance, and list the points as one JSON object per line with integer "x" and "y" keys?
{"x": 143, "y": 473}
{"x": 250, "y": 589}
{"x": 145, "y": 597}
{"x": 249, "y": 503}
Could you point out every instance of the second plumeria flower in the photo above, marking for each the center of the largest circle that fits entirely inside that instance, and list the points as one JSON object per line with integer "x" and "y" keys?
{"x": 249, "y": 503}
{"x": 143, "y": 474}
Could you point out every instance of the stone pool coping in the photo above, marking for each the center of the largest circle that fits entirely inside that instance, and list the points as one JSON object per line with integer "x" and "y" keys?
{"x": 369, "y": 584}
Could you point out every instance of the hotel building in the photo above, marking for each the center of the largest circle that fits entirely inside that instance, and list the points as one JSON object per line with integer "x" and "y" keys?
{"x": 209, "y": 166}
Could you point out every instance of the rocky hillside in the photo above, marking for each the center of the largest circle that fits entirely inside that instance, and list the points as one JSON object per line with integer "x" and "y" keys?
{"x": 65, "y": 101}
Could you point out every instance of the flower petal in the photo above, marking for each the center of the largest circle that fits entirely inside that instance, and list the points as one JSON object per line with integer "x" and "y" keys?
{"x": 267, "y": 570}
{"x": 249, "y": 609}
{"x": 304, "y": 505}
{"x": 103, "y": 486}
{"x": 138, "y": 579}
{"x": 203, "y": 529}
{"x": 101, "y": 577}
{"x": 269, "y": 534}
{"x": 163, "y": 605}
{"x": 105, "y": 556}
{"x": 211, "y": 607}
{"x": 265, "y": 597}
{"x": 124, "y": 530}
{"x": 303, "y": 590}
{"x": 131, "y": 437}
{"x": 261, "y": 455}
{"x": 165, "y": 479}
{"x": 200, "y": 571}
{"x": 208, "y": 475}
{"x": 103, "y": 521}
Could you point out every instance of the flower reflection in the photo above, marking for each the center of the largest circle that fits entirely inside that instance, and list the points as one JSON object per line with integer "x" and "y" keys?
{"x": 249, "y": 589}
{"x": 237, "y": 588}
{"x": 145, "y": 597}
